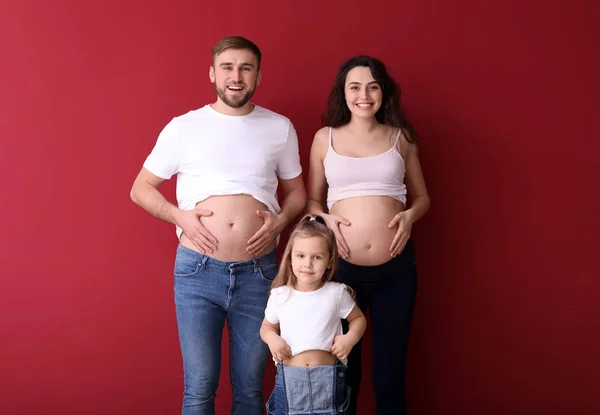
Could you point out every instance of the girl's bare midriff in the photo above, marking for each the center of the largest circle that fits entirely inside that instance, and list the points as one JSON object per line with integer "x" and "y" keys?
{"x": 311, "y": 358}
{"x": 233, "y": 222}
{"x": 368, "y": 237}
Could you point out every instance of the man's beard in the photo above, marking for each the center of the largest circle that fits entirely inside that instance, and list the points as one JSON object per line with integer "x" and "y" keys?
{"x": 237, "y": 103}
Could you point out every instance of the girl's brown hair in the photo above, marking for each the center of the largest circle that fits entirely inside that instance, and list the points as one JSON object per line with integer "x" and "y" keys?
{"x": 308, "y": 227}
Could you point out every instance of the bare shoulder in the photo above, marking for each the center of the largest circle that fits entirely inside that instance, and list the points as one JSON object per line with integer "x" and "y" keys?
{"x": 407, "y": 148}
{"x": 322, "y": 135}
{"x": 321, "y": 142}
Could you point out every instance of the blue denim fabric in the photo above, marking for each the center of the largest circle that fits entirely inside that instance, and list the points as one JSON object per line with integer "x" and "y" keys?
{"x": 208, "y": 292}
{"x": 319, "y": 390}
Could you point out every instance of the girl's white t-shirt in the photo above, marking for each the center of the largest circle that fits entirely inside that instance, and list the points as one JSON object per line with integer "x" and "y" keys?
{"x": 309, "y": 320}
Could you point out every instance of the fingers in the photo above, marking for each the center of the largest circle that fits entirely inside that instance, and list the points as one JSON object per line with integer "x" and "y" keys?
{"x": 287, "y": 351}
{"x": 199, "y": 246}
{"x": 258, "y": 247}
{"x": 339, "y": 352}
{"x": 203, "y": 243}
{"x": 263, "y": 213}
{"x": 343, "y": 249}
{"x": 394, "y": 244}
{"x": 259, "y": 234}
{"x": 258, "y": 242}
{"x": 204, "y": 238}
{"x": 342, "y": 242}
{"x": 399, "y": 245}
{"x": 261, "y": 239}
{"x": 209, "y": 236}
{"x": 343, "y": 221}
{"x": 203, "y": 212}
{"x": 394, "y": 221}
{"x": 282, "y": 354}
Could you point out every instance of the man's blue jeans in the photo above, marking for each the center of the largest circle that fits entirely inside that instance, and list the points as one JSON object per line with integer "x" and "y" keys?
{"x": 207, "y": 292}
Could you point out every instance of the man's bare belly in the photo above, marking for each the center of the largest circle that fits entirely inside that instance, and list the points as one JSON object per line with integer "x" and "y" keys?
{"x": 233, "y": 222}
{"x": 368, "y": 237}
{"x": 311, "y": 358}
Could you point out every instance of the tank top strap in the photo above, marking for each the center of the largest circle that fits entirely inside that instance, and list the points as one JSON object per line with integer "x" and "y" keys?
{"x": 331, "y": 137}
{"x": 398, "y": 137}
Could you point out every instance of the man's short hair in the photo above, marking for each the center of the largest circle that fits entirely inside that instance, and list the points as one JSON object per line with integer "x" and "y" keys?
{"x": 235, "y": 42}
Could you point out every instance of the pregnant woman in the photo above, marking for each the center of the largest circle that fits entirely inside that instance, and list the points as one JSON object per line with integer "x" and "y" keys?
{"x": 365, "y": 180}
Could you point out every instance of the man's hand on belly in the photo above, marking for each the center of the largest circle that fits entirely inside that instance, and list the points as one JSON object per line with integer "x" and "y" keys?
{"x": 189, "y": 221}
{"x": 266, "y": 234}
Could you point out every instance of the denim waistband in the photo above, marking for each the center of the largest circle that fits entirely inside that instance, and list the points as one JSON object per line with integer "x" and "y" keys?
{"x": 206, "y": 261}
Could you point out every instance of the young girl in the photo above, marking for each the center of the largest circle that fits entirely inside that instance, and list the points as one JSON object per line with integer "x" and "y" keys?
{"x": 302, "y": 325}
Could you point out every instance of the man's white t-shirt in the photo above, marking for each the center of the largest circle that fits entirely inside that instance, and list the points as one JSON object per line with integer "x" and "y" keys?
{"x": 216, "y": 154}
{"x": 309, "y": 320}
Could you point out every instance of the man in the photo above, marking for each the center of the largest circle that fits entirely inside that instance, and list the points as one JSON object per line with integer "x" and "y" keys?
{"x": 228, "y": 157}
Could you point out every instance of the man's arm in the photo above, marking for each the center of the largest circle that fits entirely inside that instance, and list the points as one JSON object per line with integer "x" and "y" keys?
{"x": 144, "y": 193}
{"x": 294, "y": 201}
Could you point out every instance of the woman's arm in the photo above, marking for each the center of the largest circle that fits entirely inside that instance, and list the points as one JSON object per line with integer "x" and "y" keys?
{"x": 317, "y": 190}
{"x": 418, "y": 198}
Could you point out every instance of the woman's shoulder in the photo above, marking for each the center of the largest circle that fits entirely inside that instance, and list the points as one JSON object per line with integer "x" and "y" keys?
{"x": 406, "y": 144}
{"x": 322, "y": 134}
{"x": 320, "y": 143}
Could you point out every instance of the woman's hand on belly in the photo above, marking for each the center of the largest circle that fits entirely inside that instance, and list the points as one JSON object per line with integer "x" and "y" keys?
{"x": 334, "y": 222}
{"x": 265, "y": 236}
{"x": 370, "y": 237}
{"x": 404, "y": 223}
{"x": 189, "y": 221}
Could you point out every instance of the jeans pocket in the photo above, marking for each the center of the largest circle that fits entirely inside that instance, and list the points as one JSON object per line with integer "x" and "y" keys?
{"x": 186, "y": 265}
{"x": 267, "y": 273}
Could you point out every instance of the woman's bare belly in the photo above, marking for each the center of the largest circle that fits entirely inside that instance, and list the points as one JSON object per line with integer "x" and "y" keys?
{"x": 311, "y": 358}
{"x": 368, "y": 237}
{"x": 233, "y": 222}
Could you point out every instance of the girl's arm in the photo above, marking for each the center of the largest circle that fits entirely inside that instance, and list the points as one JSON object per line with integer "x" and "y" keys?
{"x": 343, "y": 344}
{"x": 269, "y": 333}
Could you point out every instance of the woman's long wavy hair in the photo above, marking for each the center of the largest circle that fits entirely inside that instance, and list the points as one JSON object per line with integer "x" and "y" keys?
{"x": 390, "y": 113}
{"x": 308, "y": 227}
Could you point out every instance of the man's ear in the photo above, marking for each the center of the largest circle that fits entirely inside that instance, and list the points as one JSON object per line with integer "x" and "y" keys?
{"x": 259, "y": 77}
{"x": 211, "y": 74}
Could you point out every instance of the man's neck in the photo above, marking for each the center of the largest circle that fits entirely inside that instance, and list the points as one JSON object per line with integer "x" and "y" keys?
{"x": 223, "y": 108}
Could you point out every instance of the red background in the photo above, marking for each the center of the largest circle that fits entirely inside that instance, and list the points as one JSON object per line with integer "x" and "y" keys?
{"x": 503, "y": 93}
